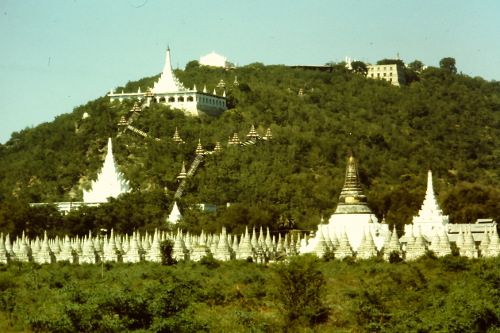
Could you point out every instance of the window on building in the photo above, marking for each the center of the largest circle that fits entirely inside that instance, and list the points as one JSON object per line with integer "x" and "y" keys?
{"x": 171, "y": 99}
{"x": 180, "y": 99}
{"x": 190, "y": 99}
{"x": 162, "y": 99}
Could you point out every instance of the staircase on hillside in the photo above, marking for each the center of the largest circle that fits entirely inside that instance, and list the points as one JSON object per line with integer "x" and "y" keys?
{"x": 180, "y": 190}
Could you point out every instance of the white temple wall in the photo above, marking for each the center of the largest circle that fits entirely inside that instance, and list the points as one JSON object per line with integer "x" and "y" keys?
{"x": 355, "y": 226}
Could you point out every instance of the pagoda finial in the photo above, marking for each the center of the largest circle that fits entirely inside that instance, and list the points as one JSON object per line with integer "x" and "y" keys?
{"x": 183, "y": 173}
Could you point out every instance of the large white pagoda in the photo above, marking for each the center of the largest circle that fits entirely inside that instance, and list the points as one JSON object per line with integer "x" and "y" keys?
{"x": 110, "y": 181}
{"x": 430, "y": 217}
{"x": 353, "y": 217}
{"x": 169, "y": 90}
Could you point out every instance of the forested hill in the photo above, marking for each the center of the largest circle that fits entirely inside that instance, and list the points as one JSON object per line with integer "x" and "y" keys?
{"x": 443, "y": 120}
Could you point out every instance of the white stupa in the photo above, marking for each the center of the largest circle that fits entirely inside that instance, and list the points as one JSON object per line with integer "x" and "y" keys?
{"x": 430, "y": 216}
{"x": 110, "y": 181}
{"x": 175, "y": 215}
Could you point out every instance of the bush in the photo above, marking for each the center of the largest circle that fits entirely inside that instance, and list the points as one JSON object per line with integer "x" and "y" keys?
{"x": 300, "y": 288}
{"x": 167, "y": 248}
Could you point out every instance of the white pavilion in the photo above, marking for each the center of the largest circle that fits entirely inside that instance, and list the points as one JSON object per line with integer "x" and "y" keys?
{"x": 169, "y": 90}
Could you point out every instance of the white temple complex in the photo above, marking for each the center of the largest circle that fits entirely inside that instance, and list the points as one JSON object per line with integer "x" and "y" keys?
{"x": 169, "y": 90}
{"x": 110, "y": 181}
{"x": 430, "y": 217}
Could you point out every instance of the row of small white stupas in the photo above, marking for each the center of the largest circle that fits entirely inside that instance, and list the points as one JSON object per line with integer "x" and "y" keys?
{"x": 261, "y": 247}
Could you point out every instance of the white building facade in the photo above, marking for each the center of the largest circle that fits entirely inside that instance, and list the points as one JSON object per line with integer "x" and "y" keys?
{"x": 393, "y": 73}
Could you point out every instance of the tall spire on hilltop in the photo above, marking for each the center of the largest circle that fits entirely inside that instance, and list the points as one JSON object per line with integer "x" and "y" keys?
{"x": 110, "y": 181}
{"x": 352, "y": 199}
{"x": 167, "y": 82}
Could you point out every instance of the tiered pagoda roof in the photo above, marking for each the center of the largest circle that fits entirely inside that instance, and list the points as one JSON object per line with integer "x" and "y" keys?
{"x": 199, "y": 148}
{"x": 352, "y": 199}
{"x": 177, "y": 137}
{"x": 252, "y": 135}
{"x": 235, "y": 140}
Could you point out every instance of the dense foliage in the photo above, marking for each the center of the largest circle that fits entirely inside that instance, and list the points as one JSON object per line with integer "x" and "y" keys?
{"x": 450, "y": 294}
{"x": 443, "y": 120}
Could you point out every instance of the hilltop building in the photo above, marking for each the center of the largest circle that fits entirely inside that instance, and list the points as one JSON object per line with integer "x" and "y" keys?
{"x": 216, "y": 60}
{"x": 393, "y": 73}
{"x": 169, "y": 90}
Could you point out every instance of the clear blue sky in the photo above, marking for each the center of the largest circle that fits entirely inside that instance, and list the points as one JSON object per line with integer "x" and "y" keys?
{"x": 56, "y": 55}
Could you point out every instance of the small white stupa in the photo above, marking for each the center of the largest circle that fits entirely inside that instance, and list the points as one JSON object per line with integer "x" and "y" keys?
{"x": 175, "y": 215}
{"x": 430, "y": 216}
{"x": 110, "y": 181}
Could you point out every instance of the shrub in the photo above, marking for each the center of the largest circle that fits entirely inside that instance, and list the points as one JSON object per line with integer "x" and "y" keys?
{"x": 167, "y": 249}
{"x": 300, "y": 287}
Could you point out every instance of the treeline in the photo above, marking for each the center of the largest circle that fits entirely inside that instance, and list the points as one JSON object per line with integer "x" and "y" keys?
{"x": 443, "y": 120}
{"x": 450, "y": 294}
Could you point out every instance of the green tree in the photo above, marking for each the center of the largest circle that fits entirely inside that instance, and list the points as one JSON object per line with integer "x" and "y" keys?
{"x": 391, "y": 61}
{"x": 417, "y": 66}
{"x": 192, "y": 65}
{"x": 300, "y": 288}
{"x": 448, "y": 63}
{"x": 359, "y": 67}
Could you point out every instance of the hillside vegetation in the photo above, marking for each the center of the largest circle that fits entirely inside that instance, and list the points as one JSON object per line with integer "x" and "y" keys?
{"x": 443, "y": 120}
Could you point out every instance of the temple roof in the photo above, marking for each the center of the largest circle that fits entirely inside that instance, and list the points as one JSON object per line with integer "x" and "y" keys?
{"x": 352, "y": 199}
{"x": 168, "y": 82}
